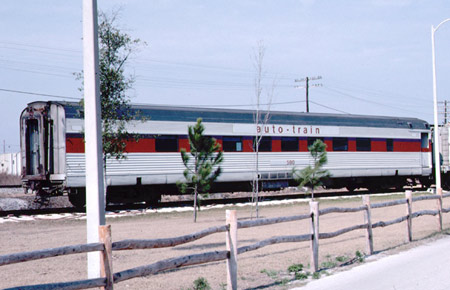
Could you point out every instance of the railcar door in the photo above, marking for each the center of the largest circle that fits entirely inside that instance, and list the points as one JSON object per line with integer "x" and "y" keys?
{"x": 32, "y": 147}
{"x": 34, "y": 143}
{"x": 426, "y": 151}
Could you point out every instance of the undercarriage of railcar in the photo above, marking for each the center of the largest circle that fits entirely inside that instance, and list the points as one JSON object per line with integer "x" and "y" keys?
{"x": 151, "y": 194}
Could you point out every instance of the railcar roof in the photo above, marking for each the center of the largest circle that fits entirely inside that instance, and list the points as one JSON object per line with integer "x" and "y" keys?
{"x": 191, "y": 114}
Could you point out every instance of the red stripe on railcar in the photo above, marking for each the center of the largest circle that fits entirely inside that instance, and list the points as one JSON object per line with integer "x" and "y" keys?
{"x": 276, "y": 145}
{"x": 351, "y": 145}
{"x": 184, "y": 144}
{"x": 75, "y": 145}
{"x": 247, "y": 145}
{"x": 378, "y": 146}
{"x": 220, "y": 142}
{"x": 407, "y": 146}
{"x": 144, "y": 145}
{"x": 329, "y": 143}
{"x": 303, "y": 145}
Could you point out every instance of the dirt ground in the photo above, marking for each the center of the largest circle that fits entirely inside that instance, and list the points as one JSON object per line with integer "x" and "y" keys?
{"x": 265, "y": 268}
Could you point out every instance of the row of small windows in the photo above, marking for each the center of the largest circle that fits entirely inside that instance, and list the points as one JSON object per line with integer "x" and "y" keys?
{"x": 288, "y": 144}
{"x": 339, "y": 144}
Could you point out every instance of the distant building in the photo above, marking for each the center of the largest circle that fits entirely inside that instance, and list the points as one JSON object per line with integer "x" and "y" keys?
{"x": 10, "y": 163}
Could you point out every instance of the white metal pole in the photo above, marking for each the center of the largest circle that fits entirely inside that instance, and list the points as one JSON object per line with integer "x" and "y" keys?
{"x": 95, "y": 207}
{"x": 437, "y": 161}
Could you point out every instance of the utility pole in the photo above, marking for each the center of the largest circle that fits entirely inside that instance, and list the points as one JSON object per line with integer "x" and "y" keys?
{"x": 95, "y": 193}
{"x": 306, "y": 80}
{"x": 443, "y": 110}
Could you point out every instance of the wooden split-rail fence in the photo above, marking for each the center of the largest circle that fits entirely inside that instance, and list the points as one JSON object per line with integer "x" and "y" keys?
{"x": 106, "y": 246}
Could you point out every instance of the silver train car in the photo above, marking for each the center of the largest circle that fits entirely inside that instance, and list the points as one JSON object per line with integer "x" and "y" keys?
{"x": 363, "y": 151}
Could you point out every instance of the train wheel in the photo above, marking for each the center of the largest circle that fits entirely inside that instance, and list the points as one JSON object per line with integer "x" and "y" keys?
{"x": 374, "y": 189}
{"x": 153, "y": 199}
{"x": 78, "y": 198}
{"x": 351, "y": 187}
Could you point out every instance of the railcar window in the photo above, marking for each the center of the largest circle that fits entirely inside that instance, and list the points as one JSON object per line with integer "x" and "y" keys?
{"x": 289, "y": 144}
{"x": 389, "y": 144}
{"x": 232, "y": 144}
{"x": 311, "y": 140}
{"x": 424, "y": 138}
{"x": 340, "y": 144}
{"x": 166, "y": 144}
{"x": 363, "y": 144}
{"x": 265, "y": 144}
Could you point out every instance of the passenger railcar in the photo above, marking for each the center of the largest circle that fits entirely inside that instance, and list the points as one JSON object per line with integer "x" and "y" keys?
{"x": 363, "y": 151}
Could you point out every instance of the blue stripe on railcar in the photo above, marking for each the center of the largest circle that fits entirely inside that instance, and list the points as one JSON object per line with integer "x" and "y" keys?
{"x": 186, "y": 114}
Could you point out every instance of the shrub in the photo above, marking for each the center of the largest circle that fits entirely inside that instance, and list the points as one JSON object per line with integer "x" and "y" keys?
{"x": 360, "y": 256}
{"x": 342, "y": 259}
{"x": 201, "y": 284}
{"x": 301, "y": 276}
{"x": 295, "y": 268}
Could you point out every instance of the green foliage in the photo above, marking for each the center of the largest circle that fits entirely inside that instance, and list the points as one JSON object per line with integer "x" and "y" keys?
{"x": 201, "y": 284}
{"x": 328, "y": 264}
{"x": 295, "y": 268}
{"x": 301, "y": 276}
{"x": 202, "y": 163}
{"x": 284, "y": 282}
{"x": 359, "y": 256}
{"x": 271, "y": 273}
{"x": 115, "y": 48}
{"x": 316, "y": 275}
{"x": 313, "y": 176}
{"x": 342, "y": 259}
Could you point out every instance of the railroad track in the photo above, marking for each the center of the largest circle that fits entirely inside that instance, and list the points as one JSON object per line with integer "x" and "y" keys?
{"x": 181, "y": 203}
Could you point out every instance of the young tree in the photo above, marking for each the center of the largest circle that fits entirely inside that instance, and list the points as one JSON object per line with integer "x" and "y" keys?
{"x": 203, "y": 169}
{"x": 115, "y": 48}
{"x": 313, "y": 176}
{"x": 261, "y": 118}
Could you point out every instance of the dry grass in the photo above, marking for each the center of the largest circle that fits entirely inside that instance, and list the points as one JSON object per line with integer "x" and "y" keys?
{"x": 262, "y": 269}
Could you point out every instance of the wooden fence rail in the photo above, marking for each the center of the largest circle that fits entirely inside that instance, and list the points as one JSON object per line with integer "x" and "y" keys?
{"x": 48, "y": 253}
{"x": 164, "y": 243}
{"x": 230, "y": 254}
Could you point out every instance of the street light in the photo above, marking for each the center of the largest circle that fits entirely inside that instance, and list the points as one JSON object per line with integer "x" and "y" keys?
{"x": 437, "y": 160}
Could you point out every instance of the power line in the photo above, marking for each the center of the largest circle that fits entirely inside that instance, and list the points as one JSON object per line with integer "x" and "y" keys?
{"x": 39, "y": 94}
{"x": 330, "y": 108}
{"x": 369, "y": 101}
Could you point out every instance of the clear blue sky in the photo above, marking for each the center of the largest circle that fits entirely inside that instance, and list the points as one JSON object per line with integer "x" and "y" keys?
{"x": 374, "y": 55}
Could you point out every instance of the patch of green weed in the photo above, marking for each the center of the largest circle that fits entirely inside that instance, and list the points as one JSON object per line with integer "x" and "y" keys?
{"x": 201, "y": 284}
{"x": 360, "y": 256}
{"x": 295, "y": 268}
{"x": 301, "y": 276}
{"x": 271, "y": 273}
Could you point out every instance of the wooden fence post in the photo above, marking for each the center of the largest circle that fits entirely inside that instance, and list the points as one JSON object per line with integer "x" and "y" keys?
{"x": 439, "y": 206}
{"x": 368, "y": 221}
{"x": 314, "y": 210}
{"x": 408, "y": 195}
{"x": 231, "y": 243}
{"x": 106, "y": 257}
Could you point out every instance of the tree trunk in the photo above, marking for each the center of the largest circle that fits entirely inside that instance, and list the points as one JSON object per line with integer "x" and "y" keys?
{"x": 195, "y": 203}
